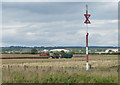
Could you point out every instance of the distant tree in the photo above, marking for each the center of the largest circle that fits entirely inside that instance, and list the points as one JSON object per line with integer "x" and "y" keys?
{"x": 62, "y": 51}
{"x": 34, "y": 51}
{"x": 110, "y": 51}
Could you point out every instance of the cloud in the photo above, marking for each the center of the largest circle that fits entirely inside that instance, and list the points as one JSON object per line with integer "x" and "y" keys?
{"x": 59, "y": 1}
{"x": 54, "y": 24}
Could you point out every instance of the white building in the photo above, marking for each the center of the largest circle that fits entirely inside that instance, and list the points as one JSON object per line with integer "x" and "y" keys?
{"x": 54, "y": 50}
{"x": 45, "y": 50}
{"x": 111, "y": 50}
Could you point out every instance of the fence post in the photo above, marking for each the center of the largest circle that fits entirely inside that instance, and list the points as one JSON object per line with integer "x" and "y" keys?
{"x": 36, "y": 67}
{"x": 25, "y": 67}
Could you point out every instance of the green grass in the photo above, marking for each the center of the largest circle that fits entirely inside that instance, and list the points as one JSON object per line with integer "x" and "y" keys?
{"x": 61, "y": 77}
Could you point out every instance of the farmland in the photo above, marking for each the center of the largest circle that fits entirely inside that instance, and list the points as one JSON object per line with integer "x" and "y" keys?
{"x": 103, "y": 70}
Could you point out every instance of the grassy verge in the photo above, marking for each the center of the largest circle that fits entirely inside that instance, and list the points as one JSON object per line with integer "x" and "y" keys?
{"x": 91, "y": 76}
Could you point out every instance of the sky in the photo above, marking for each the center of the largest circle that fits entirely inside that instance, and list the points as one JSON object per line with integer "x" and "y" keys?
{"x": 59, "y": 23}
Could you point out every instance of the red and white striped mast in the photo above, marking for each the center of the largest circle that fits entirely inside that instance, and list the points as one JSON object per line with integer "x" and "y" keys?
{"x": 87, "y": 22}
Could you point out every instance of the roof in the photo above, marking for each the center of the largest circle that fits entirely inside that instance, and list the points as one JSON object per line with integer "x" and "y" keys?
{"x": 60, "y": 50}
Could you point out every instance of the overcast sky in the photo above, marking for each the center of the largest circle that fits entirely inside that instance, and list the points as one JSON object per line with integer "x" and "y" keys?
{"x": 59, "y": 23}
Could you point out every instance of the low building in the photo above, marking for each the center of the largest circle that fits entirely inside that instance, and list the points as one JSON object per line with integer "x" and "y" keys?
{"x": 45, "y": 50}
{"x": 111, "y": 50}
{"x": 54, "y": 50}
{"x": 108, "y": 51}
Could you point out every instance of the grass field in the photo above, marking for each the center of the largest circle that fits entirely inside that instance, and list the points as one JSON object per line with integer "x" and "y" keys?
{"x": 103, "y": 70}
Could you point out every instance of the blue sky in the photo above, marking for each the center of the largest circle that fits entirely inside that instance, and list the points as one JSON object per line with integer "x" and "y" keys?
{"x": 59, "y": 23}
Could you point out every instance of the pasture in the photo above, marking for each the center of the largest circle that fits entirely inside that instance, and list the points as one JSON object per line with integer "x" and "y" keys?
{"x": 104, "y": 69}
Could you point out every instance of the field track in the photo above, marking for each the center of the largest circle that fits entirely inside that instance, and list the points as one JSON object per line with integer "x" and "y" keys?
{"x": 28, "y": 56}
{"x": 94, "y": 60}
{"x": 22, "y": 56}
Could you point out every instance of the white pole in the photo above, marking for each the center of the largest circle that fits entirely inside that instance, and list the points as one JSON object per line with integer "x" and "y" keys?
{"x": 87, "y": 22}
{"x": 87, "y": 66}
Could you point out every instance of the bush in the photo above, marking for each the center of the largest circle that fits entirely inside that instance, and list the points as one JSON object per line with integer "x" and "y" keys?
{"x": 34, "y": 51}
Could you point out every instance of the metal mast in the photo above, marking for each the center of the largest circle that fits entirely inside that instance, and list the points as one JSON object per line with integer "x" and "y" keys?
{"x": 87, "y": 22}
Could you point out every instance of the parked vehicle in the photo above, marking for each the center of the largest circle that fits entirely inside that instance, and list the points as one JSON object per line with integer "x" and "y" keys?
{"x": 58, "y": 55}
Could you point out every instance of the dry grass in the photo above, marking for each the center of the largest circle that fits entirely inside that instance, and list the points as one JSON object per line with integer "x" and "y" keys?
{"x": 103, "y": 66}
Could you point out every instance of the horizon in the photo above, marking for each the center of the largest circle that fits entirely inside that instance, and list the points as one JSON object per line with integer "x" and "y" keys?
{"x": 60, "y": 46}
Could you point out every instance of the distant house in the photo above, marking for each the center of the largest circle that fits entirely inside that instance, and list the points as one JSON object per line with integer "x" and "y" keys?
{"x": 111, "y": 50}
{"x": 108, "y": 51}
{"x": 45, "y": 50}
{"x": 54, "y": 50}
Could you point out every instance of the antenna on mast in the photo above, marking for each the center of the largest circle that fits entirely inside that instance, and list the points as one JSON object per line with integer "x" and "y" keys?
{"x": 87, "y": 22}
{"x": 86, "y": 9}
